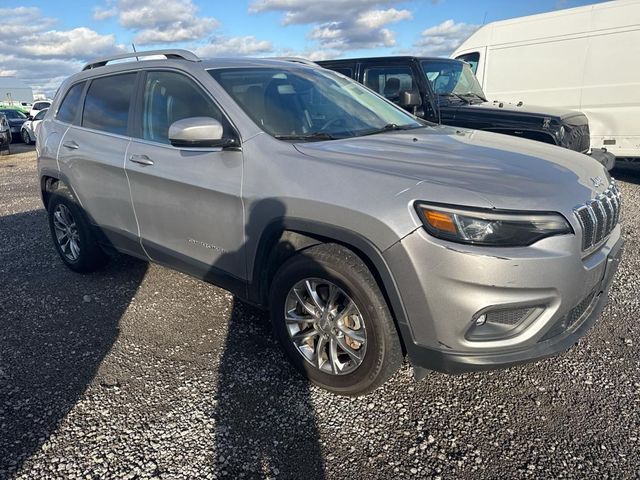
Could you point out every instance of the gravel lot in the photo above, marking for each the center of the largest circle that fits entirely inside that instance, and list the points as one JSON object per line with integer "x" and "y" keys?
{"x": 141, "y": 372}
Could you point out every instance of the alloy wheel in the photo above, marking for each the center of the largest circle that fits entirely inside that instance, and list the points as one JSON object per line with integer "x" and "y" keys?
{"x": 67, "y": 234}
{"x": 326, "y": 326}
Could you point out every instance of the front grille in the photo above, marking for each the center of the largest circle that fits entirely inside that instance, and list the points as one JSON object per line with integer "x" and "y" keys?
{"x": 576, "y": 314}
{"x": 599, "y": 216}
{"x": 578, "y": 138}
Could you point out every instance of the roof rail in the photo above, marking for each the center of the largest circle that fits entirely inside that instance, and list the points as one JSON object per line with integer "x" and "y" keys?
{"x": 301, "y": 60}
{"x": 171, "y": 53}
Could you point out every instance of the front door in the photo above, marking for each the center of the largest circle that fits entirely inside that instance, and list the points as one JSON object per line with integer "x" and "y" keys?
{"x": 187, "y": 200}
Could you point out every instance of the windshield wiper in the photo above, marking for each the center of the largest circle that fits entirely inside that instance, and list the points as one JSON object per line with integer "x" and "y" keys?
{"x": 307, "y": 136}
{"x": 475, "y": 95}
{"x": 457, "y": 95}
{"x": 391, "y": 127}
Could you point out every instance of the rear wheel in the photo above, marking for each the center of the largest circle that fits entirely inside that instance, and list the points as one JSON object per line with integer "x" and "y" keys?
{"x": 73, "y": 236}
{"x": 333, "y": 322}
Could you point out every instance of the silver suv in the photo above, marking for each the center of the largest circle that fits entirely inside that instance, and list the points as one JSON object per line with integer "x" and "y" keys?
{"x": 370, "y": 235}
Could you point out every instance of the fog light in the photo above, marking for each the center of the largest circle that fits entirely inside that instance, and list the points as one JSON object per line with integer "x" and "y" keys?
{"x": 481, "y": 319}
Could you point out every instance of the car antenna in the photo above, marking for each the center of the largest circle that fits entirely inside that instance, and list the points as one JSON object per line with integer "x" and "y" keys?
{"x": 135, "y": 51}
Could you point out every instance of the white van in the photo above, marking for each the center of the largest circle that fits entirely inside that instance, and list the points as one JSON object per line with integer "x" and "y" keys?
{"x": 584, "y": 58}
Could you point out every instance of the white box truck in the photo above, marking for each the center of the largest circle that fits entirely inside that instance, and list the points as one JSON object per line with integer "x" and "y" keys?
{"x": 585, "y": 58}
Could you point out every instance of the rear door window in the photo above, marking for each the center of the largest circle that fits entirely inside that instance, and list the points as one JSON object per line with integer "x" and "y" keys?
{"x": 390, "y": 81}
{"x": 69, "y": 106}
{"x": 106, "y": 105}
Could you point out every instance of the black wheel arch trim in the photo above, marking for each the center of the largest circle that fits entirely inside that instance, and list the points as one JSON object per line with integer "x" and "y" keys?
{"x": 319, "y": 232}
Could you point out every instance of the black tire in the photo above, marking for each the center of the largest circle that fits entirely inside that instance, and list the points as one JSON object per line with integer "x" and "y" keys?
{"x": 26, "y": 138}
{"x": 383, "y": 355}
{"x": 91, "y": 257}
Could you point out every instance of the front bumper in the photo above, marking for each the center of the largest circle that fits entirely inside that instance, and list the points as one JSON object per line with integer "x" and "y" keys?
{"x": 445, "y": 285}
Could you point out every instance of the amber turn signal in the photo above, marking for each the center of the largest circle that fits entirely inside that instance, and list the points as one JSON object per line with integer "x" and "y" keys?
{"x": 440, "y": 221}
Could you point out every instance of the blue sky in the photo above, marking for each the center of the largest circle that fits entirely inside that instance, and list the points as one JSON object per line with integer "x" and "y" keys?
{"x": 42, "y": 42}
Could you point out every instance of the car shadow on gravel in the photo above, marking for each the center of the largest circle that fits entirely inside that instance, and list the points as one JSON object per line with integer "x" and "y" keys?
{"x": 56, "y": 327}
{"x": 265, "y": 424}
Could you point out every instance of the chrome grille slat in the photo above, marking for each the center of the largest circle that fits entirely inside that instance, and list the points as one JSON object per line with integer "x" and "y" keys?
{"x": 599, "y": 216}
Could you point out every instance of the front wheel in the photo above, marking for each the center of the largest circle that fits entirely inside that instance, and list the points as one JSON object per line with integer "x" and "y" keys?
{"x": 333, "y": 322}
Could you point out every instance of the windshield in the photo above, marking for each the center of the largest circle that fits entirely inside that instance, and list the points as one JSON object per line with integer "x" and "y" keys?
{"x": 452, "y": 78}
{"x": 310, "y": 104}
{"x": 13, "y": 114}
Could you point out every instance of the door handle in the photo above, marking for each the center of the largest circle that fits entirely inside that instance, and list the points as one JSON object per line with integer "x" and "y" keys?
{"x": 71, "y": 145}
{"x": 141, "y": 159}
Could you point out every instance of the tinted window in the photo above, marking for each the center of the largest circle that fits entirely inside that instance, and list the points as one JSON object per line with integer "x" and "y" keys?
{"x": 106, "y": 106}
{"x": 41, "y": 114}
{"x": 41, "y": 105}
{"x": 389, "y": 81}
{"x": 472, "y": 59}
{"x": 169, "y": 97}
{"x": 69, "y": 107}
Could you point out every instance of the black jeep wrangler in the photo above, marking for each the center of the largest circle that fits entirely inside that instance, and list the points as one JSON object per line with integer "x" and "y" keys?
{"x": 443, "y": 90}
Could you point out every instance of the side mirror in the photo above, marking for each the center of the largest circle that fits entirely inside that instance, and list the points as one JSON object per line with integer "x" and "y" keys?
{"x": 410, "y": 99}
{"x": 198, "y": 132}
{"x": 30, "y": 117}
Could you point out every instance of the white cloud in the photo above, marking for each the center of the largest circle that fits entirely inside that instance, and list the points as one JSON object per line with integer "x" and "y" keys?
{"x": 43, "y": 57}
{"x": 8, "y": 73}
{"x": 233, "y": 46}
{"x": 77, "y": 43}
{"x": 444, "y": 38}
{"x": 100, "y": 13}
{"x": 337, "y": 25}
{"x": 379, "y": 18}
{"x": 21, "y": 21}
{"x": 158, "y": 22}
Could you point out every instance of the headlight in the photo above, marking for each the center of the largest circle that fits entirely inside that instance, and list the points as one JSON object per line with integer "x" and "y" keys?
{"x": 490, "y": 227}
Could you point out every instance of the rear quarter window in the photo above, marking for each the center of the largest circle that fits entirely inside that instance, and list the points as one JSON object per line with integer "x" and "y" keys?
{"x": 70, "y": 104}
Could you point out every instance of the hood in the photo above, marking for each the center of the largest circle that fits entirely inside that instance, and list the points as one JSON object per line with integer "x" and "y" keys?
{"x": 447, "y": 165}
{"x": 503, "y": 108}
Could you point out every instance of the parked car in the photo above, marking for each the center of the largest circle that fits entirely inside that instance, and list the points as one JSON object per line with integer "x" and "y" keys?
{"x": 446, "y": 91}
{"x": 5, "y": 134}
{"x": 37, "y": 106}
{"x": 579, "y": 58}
{"x": 16, "y": 118}
{"x": 368, "y": 234}
{"x": 29, "y": 128}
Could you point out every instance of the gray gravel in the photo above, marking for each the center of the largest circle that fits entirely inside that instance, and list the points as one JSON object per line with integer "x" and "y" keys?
{"x": 142, "y": 372}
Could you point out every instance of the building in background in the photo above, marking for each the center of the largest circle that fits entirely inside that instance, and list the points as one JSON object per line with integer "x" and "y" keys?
{"x": 14, "y": 91}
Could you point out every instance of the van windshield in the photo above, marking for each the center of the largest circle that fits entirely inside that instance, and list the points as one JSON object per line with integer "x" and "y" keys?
{"x": 454, "y": 80}
{"x": 310, "y": 104}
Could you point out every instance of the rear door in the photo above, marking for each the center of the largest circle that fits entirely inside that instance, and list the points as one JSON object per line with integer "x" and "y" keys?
{"x": 92, "y": 153}
{"x": 390, "y": 79}
{"x": 187, "y": 200}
